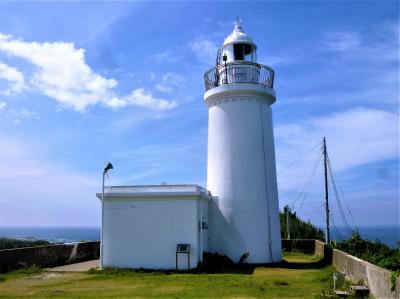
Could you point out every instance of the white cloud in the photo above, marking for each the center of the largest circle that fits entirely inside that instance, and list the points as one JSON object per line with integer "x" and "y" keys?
{"x": 2, "y": 105}
{"x": 204, "y": 49}
{"x": 29, "y": 114}
{"x": 142, "y": 98}
{"x": 355, "y": 137}
{"x": 358, "y": 140}
{"x": 14, "y": 77}
{"x": 173, "y": 162}
{"x": 358, "y": 45}
{"x": 167, "y": 56}
{"x": 277, "y": 60}
{"x": 342, "y": 41}
{"x": 169, "y": 82}
{"x": 62, "y": 74}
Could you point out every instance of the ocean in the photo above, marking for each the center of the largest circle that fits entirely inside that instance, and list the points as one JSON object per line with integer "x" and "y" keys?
{"x": 52, "y": 234}
{"x": 389, "y": 235}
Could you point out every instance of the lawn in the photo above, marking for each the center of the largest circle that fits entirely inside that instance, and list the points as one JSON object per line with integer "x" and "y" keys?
{"x": 300, "y": 276}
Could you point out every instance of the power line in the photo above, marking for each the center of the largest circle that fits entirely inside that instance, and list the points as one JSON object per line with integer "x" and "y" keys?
{"x": 303, "y": 193}
{"x": 318, "y": 208}
{"x": 299, "y": 159}
{"x": 338, "y": 234}
{"x": 344, "y": 199}
{"x": 338, "y": 201}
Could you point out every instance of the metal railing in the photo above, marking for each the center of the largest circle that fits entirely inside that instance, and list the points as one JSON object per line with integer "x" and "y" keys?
{"x": 239, "y": 72}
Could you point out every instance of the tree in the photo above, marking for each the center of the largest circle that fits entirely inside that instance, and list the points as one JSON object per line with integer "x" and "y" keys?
{"x": 299, "y": 229}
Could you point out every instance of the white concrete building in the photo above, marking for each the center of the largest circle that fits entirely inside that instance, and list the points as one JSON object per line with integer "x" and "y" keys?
{"x": 238, "y": 213}
{"x": 143, "y": 225}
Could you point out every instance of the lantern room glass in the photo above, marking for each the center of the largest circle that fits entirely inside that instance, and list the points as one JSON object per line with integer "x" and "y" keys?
{"x": 244, "y": 52}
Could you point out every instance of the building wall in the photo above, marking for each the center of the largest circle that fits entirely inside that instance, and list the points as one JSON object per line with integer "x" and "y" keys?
{"x": 144, "y": 233}
{"x": 241, "y": 175}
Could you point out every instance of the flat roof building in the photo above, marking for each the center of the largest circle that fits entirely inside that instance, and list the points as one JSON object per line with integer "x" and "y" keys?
{"x": 143, "y": 225}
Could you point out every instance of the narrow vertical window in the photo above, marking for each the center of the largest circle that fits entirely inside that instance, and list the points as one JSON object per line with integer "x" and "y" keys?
{"x": 247, "y": 52}
{"x": 238, "y": 51}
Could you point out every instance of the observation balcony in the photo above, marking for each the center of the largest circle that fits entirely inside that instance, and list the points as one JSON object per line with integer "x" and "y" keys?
{"x": 239, "y": 72}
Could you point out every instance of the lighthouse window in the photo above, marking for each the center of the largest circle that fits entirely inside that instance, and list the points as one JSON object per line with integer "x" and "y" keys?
{"x": 247, "y": 52}
{"x": 242, "y": 52}
{"x": 238, "y": 51}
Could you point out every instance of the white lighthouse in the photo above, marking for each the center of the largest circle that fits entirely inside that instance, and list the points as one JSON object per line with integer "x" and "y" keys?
{"x": 241, "y": 171}
{"x": 172, "y": 226}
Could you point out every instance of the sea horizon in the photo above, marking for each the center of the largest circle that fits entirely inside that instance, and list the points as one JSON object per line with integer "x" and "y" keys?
{"x": 386, "y": 234}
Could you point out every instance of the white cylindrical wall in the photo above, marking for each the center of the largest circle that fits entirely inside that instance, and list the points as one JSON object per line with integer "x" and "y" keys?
{"x": 241, "y": 175}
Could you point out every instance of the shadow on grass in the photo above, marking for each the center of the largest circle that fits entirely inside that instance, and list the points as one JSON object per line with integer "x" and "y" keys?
{"x": 247, "y": 269}
{"x": 300, "y": 265}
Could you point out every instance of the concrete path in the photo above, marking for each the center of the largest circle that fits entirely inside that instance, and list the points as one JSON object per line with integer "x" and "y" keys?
{"x": 78, "y": 267}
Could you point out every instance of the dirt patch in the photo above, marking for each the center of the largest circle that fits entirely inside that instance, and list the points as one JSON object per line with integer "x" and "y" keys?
{"x": 44, "y": 276}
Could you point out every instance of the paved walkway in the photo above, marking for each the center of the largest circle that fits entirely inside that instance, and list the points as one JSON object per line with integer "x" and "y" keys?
{"x": 78, "y": 267}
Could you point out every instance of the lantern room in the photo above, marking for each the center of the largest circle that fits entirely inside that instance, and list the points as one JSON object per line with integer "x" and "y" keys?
{"x": 238, "y": 46}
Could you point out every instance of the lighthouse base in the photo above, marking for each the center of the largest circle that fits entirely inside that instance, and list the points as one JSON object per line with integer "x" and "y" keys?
{"x": 225, "y": 238}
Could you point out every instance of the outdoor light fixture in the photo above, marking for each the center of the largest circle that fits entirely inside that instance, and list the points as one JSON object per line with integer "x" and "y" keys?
{"x": 108, "y": 167}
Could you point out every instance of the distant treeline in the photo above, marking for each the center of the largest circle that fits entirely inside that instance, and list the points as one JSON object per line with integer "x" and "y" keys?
{"x": 299, "y": 229}
{"x": 8, "y": 243}
{"x": 373, "y": 252}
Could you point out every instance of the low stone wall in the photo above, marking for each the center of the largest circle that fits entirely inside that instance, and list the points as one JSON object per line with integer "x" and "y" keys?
{"x": 48, "y": 256}
{"x": 376, "y": 278}
{"x": 319, "y": 248}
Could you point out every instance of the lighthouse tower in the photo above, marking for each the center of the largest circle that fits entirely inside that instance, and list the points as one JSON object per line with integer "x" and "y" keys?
{"x": 241, "y": 171}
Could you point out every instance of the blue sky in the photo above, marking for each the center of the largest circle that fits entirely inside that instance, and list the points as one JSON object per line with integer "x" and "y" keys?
{"x": 85, "y": 83}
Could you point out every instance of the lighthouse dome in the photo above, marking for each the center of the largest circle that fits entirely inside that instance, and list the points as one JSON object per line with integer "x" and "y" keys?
{"x": 238, "y": 46}
{"x": 238, "y": 35}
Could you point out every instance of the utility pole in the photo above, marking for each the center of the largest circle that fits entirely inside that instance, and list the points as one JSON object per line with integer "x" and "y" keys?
{"x": 327, "y": 233}
{"x": 287, "y": 223}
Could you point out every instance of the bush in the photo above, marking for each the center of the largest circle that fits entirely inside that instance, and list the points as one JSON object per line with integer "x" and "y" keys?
{"x": 299, "y": 229}
{"x": 373, "y": 252}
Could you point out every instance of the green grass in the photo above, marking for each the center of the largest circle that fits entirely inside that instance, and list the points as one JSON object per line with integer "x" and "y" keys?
{"x": 300, "y": 276}
{"x": 20, "y": 273}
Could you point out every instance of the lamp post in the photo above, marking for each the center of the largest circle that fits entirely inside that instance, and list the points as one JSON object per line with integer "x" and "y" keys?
{"x": 106, "y": 169}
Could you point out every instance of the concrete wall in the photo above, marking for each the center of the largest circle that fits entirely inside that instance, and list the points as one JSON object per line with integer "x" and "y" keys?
{"x": 319, "y": 248}
{"x": 47, "y": 256}
{"x": 376, "y": 278}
